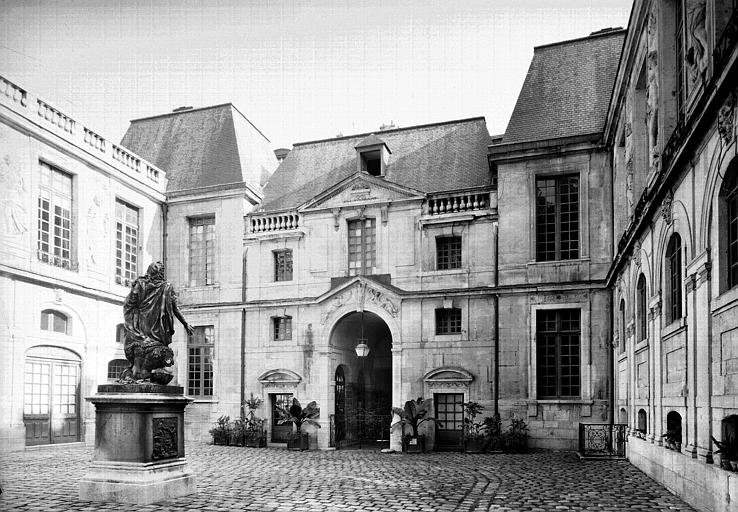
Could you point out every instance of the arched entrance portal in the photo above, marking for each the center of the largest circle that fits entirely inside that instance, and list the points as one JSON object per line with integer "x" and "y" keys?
{"x": 363, "y": 385}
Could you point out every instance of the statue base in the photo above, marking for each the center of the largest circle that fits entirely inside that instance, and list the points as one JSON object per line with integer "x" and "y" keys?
{"x": 139, "y": 453}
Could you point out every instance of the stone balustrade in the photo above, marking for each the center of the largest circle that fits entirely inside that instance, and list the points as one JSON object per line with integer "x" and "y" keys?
{"x": 42, "y": 113}
{"x": 55, "y": 117}
{"x": 12, "y": 91}
{"x": 460, "y": 202}
{"x": 94, "y": 140}
{"x": 273, "y": 222}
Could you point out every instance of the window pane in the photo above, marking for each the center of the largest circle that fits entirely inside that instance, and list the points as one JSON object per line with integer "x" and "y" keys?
{"x": 448, "y": 321}
{"x": 283, "y": 265}
{"x": 448, "y": 252}
{"x": 126, "y": 247}
{"x": 202, "y": 251}
{"x": 557, "y": 218}
{"x": 200, "y": 373}
{"x": 54, "y": 237}
{"x": 557, "y": 353}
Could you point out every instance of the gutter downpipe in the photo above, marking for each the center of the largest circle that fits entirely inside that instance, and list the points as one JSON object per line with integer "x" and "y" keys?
{"x": 164, "y": 234}
{"x": 611, "y": 346}
{"x": 497, "y": 323}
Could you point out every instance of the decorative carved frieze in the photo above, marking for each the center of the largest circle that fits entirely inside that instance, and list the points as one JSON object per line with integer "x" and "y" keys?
{"x": 14, "y": 215}
{"x": 380, "y": 299}
{"x": 337, "y": 303}
{"x": 696, "y": 45}
{"x": 652, "y": 91}
{"x": 164, "y": 438}
{"x": 637, "y": 254}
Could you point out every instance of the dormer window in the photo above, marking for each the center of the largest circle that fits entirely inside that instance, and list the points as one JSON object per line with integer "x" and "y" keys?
{"x": 372, "y": 156}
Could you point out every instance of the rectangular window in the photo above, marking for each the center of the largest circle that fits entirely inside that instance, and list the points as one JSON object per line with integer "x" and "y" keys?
{"x": 448, "y": 321}
{"x": 200, "y": 355}
{"x": 282, "y": 327}
{"x": 557, "y": 353}
{"x": 283, "y": 265}
{"x": 202, "y": 251}
{"x": 448, "y": 252}
{"x": 126, "y": 243}
{"x": 557, "y": 218}
{"x": 55, "y": 217}
{"x": 362, "y": 246}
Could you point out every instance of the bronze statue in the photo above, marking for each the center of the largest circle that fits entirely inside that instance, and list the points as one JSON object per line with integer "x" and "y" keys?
{"x": 149, "y": 312}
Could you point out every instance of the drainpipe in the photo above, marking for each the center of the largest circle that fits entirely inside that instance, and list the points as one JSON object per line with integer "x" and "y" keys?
{"x": 497, "y": 323}
{"x": 243, "y": 363}
{"x": 164, "y": 215}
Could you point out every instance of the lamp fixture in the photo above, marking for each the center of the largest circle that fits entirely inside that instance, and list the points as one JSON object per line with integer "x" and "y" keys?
{"x": 362, "y": 349}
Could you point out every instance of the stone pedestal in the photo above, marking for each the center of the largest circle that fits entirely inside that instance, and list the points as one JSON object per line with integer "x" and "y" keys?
{"x": 139, "y": 445}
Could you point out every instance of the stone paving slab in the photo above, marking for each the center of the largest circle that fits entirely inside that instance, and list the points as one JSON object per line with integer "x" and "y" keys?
{"x": 273, "y": 479}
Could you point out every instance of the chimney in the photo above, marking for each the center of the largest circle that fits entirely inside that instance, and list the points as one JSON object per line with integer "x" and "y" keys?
{"x": 281, "y": 154}
{"x": 182, "y": 109}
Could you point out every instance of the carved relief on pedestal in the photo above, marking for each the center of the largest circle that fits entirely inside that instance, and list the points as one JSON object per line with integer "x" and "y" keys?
{"x": 726, "y": 120}
{"x": 13, "y": 213}
{"x": 696, "y": 42}
{"x": 164, "y": 438}
{"x": 652, "y": 92}
{"x": 666, "y": 207}
{"x": 637, "y": 254}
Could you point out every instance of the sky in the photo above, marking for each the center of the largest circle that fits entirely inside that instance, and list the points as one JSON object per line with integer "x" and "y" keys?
{"x": 299, "y": 70}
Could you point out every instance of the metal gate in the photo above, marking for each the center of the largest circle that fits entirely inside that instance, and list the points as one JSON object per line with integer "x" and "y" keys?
{"x": 51, "y": 401}
{"x": 280, "y": 433}
{"x": 340, "y": 396}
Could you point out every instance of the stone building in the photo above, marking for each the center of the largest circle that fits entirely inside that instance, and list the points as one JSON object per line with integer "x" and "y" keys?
{"x": 671, "y": 132}
{"x": 80, "y": 217}
{"x": 555, "y": 240}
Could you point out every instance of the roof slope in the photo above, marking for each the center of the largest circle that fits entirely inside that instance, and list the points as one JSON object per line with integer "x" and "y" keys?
{"x": 429, "y": 158}
{"x": 567, "y": 89}
{"x": 203, "y": 147}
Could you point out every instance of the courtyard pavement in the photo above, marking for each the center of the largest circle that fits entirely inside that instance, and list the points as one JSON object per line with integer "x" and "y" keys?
{"x": 273, "y": 479}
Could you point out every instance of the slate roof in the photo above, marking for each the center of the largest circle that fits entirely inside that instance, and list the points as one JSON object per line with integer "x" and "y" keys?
{"x": 567, "y": 89}
{"x": 430, "y": 158}
{"x": 203, "y": 147}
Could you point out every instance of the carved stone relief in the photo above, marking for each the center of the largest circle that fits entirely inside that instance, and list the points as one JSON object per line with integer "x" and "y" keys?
{"x": 629, "y": 184}
{"x": 97, "y": 223}
{"x": 666, "y": 207}
{"x": 165, "y": 438}
{"x": 380, "y": 299}
{"x": 696, "y": 43}
{"x": 726, "y": 120}
{"x": 337, "y": 303}
{"x": 637, "y": 254}
{"x": 14, "y": 215}
{"x": 652, "y": 92}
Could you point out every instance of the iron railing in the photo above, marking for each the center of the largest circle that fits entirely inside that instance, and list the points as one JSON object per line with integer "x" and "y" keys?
{"x": 364, "y": 431}
{"x": 602, "y": 440}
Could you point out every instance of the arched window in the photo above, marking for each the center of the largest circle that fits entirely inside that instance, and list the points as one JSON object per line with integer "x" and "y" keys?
{"x": 674, "y": 427}
{"x": 623, "y": 325}
{"x": 641, "y": 308}
{"x": 54, "y": 321}
{"x": 642, "y": 421}
{"x": 728, "y": 220}
{"x": 623, "y": 416}
{"x": 673, "y": 277}
{"x": 116, "y": 366}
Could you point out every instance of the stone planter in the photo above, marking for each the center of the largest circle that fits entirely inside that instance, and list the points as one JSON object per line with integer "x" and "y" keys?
{"x": 257, "y": 440}
{"x": 298, "y": 441}
{"x": 473, "y": 445}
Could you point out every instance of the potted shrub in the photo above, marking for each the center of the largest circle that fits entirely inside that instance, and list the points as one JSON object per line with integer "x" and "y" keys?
{"x": 414, "y": 414}
{"x": 299, "y": 417}
{"x": 237, "y": 433}
{"x": 221, "y": 430}
{"x": 515, "y": 438}
{"x": 673, "y": 439}
{"x": 473, "y": 430}
{"x": 729, "y": 451}
{"x": 492, "y": 434}
{"x": 255, "y": 437}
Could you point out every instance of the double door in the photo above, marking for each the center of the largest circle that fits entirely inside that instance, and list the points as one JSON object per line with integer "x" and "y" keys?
{"x": 51, "y": 401}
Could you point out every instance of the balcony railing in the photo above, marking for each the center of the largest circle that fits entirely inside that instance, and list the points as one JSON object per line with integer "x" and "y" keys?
{"x": 40, "y": 112}
{"x": 602, "y": 440}
{"x": 461, "y": 202}
{"x": 267, "y": 223}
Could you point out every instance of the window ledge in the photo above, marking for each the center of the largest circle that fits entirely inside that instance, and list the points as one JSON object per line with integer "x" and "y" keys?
{"x": 641, "y": 345}
{"x": 622, "y": 355}
{"x": 201, "y": 288}
{"x": 559, "y": 262}
{"x": 203, "y": 400}
{"x": 447, "y": 337}
{"x": 564, "y": 401}
{"x": 673, "y": 328}
{"x": 725, "y": 300}
{"x": 450, "y": 272}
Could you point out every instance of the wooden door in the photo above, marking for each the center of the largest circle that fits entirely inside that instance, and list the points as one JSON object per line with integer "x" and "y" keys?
{"x": 51, "y": 401}
{"x": 280, "y": 433}
{"x": 450, "y": 414}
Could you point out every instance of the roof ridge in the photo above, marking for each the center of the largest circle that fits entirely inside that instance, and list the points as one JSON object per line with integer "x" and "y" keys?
{"x": 366, "y": 134}
{"x": 219, "y": 105}
{"x": 593, "y": 35}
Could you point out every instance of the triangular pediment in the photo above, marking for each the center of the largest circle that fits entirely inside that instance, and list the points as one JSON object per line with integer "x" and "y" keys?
{"x": 359, "y": 293}
{"x": 361, "y": 188}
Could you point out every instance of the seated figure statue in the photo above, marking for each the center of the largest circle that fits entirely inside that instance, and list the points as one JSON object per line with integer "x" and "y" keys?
{"x": 149, "y": 312}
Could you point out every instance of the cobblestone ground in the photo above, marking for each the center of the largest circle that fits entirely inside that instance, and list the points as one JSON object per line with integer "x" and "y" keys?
{"x": 271, "y": 479}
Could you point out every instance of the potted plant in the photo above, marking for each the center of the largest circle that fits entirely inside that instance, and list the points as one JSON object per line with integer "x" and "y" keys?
{"x": 673, "y": 439}
{"x": 492, "y": 433}
{"x": 473, "y": 430}
{"x": 237, "y": 433}
{"x": 414, "y": 414}
{"x": 729, "y": 451}
{"x": 221, "y": 430}
{"x": 515, "y": 438}
{"x": 299, "y": 417}
{"x": 254, "y": 435}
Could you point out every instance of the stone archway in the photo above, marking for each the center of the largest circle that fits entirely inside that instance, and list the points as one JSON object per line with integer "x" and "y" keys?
{"x": 365, "y": 409}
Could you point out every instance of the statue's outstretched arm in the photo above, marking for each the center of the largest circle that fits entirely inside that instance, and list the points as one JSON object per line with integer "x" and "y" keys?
{"x": 180, "y": 317}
